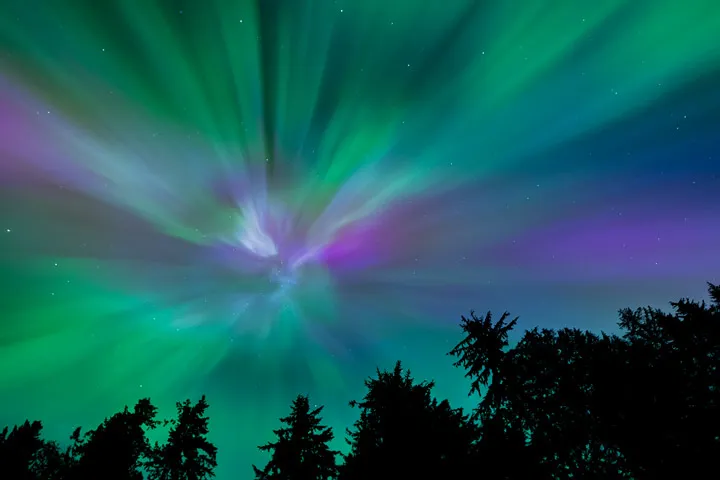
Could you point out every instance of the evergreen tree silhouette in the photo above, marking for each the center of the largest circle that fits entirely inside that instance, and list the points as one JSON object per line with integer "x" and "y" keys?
{"x": 405, "y": 433}
{"x": 559, "y": 404}
{"x": 601, "y": 406}
{"x": 301, "y": 451}
{"x": 550, "y": 381}
{"x": 19, "y": 449}
{"x": 668, "y": 420}
{"x": 25, "y": 455}
{"x": 188, "y": 454}
{"x": 538, "y": 402}
{"x": 481, "y": 351}
{"x": 117, "y": 448}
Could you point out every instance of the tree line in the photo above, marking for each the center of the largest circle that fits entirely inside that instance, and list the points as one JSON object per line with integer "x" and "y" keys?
{"x": 559, "y": 404}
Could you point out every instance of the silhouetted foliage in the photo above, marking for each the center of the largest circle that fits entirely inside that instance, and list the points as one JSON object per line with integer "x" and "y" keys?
{"x": 188, "y": 454}
{"x": 301, "y": 450}
{"x": 503, "y": 452}
{"x": 52, "y": 463}
{"x": 668, "y": 422}
{"x": 117, "y": 448}
{"x": 405, "y": 433}
{"x": 644, "y": 405}
{"x": 19, "y": 448}
{"x": 547, "y": 382}
{"x": 714, "y": 291}
{"x": 24, "y": 455}
{"x": 559, "y": 404}
{"x": 481, "y": 350}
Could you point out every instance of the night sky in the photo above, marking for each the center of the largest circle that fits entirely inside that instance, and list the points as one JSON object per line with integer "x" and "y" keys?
{"x": 255, "y": 199}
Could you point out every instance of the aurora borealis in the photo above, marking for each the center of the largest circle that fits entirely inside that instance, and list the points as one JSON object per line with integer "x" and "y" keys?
{"x": 258, "y": 198}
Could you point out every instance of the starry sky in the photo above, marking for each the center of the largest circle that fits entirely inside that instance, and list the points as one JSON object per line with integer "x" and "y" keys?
{"x": 255, "y": 199}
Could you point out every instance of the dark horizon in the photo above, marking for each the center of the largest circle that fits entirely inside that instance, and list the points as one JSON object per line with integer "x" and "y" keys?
{"x": 566, "y": 403}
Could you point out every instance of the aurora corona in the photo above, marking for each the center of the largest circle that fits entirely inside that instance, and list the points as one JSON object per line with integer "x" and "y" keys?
{"x": 255, "y": 199}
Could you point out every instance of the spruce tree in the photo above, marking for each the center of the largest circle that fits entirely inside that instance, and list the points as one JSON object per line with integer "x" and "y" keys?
{"x": 301, "y": 451}
{"x": 403, "y": 432}
{"x": 188, "y": 454}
